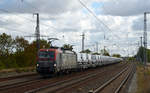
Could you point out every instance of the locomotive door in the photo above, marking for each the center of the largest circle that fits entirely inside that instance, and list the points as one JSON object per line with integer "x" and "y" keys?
{"x": 59, "y": 62}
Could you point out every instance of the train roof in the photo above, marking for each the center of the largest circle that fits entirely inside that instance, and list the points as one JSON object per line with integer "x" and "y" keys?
{"x": 58, "y": 49}
{"x": 61, "y": 48}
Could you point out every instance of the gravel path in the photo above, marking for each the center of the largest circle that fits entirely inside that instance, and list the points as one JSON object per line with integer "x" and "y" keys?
{"x": 133, "y": 85}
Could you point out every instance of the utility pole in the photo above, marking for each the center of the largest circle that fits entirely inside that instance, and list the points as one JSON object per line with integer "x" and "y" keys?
{"x": 145, "y": 37}
{"x": 97, "y": 47}
{"x": 141, "y": 41}
{"x": 37, "y": 32}
{"x": 104, "y": 50}
{"x": 138, "y": 56}
{"x": 141, "y": 48}
{"x": 128, "y": 43}
{"x": 83, "y": 37}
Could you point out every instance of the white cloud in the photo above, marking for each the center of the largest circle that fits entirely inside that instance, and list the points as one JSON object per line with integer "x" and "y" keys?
{"x": 125, "y": 7}
{"x": 66, "y": 20}
{"x": 42, "y": 6}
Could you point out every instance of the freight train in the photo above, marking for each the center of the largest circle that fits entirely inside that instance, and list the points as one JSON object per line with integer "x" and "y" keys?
{"x": 58, "y": 60}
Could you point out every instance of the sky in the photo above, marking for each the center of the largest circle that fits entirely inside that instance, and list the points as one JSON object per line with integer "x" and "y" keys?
{"x": 119, "y": 21}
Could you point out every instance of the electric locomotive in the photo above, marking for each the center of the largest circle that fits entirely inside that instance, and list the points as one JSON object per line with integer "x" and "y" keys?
{"x": 55, "y": 60}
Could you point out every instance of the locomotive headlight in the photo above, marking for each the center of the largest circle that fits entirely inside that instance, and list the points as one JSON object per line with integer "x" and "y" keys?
{"x": 37, "y": 65}
{"x": 54, "y": 65}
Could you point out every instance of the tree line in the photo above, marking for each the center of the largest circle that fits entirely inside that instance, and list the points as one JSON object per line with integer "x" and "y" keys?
{"x": 18, "y": 52}
{"x": 140, "y": 54}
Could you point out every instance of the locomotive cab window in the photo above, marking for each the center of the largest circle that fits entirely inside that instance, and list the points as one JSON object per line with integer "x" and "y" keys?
{"x": 46, "y": 54}
{"x": 51, "y": 54}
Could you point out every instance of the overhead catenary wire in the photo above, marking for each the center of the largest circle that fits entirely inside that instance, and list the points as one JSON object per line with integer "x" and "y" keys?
{"x": 93, "y": 14}
{"x": 90, "y": 11}
{"x": 6, "y": 11}
{"x": 17, "y": 30}
{"x": 33, "y": 7}
{"x": 109, "y": 17}
{"x": 100, "y": 21}
{"x": 14, "y": 29}
{"x": 106, "y": 9}
{"x": 28, "y": 4}
{"x": 36, "y": 9}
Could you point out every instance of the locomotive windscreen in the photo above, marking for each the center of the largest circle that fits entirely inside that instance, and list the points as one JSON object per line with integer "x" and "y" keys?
{"x": 46, "y": 54}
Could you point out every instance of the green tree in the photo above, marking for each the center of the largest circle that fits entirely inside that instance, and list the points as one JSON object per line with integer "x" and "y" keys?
{"x": 86, "y": 51}
{"x": 6, "y": 44}
{"x": 68, "y": 46}
{"x": 140, "y": 54}
{"x": 20, "y": 44}
{"x": 116, "y": 55}
{"x": 44, "y": 44}
{"x": 18, "y": 52}
{"x": 6, "y": 51}
{"x": 19, "y": 56}
{"x": 31, "y": 52}
{"x": 105, "y": 52}
{"x": 96, "y": 53}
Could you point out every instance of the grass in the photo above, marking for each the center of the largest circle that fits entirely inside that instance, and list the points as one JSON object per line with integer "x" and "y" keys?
{"x": 143, "y": 79}
{"x": 18, "y": 70}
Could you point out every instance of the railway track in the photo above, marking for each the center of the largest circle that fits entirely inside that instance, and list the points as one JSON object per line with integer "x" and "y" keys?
{"x": 18, "y": 84}
{"x": 59, "y": 86}
{"x": 16, "y": 81}
{"x": 116, "y": 83}
{"x": 42, "y": 84}
{"x": 18, "y": 77}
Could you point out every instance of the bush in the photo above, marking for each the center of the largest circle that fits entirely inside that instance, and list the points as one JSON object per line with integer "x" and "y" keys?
{"x": 2, "y": 66}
